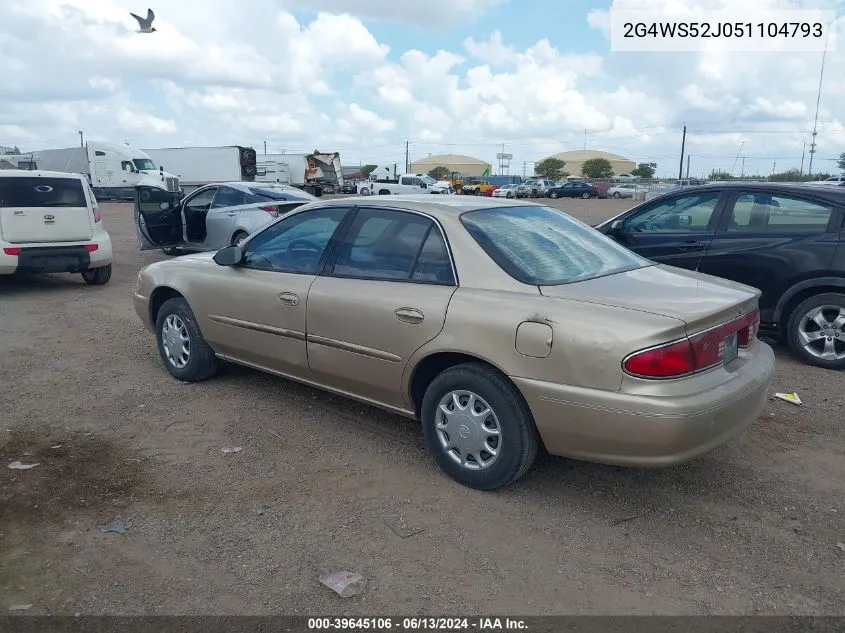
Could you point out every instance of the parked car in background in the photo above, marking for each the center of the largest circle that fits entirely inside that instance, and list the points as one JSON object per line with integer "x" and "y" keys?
{"x": 50, "y": 222}
{"x": 625, "y": 178}
{"x": 833, "y": 180}
{"x": 625, "y": 190}
{"x": 534, "y": 188}
{"x": 505, "y": 191}
{"x": 444, "y": 309}
{"x": 348, "y": 186}
{"x": 211, "y": 217}
{"x": 785, "y": 239}
{"x": 574, "y": 190}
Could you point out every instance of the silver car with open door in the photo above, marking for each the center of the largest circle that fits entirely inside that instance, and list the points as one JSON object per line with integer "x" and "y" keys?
{"x": 211, "y": 217}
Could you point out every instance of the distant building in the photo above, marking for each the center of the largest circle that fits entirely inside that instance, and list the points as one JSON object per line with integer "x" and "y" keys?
{"x": 467, "y": 165}
{"x": 575, "y": 160}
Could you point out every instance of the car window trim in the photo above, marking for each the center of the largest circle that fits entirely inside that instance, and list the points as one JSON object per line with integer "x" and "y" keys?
{"x": 712, "y": 225}
{"x": 329, "y": 246}
{"x": 194, "y": 194}
{"x": 330, "y": 263}
{"x": 834, "y": 222}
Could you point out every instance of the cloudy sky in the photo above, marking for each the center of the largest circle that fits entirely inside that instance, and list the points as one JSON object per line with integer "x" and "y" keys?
{"x": 449, "y": 76}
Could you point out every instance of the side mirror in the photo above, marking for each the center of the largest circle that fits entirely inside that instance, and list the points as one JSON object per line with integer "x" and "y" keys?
{"x": 423, "y": 186}
{"x": 229, "y": 256}
{"x": 616, "y": 229}
{"x": 164, "y": 206}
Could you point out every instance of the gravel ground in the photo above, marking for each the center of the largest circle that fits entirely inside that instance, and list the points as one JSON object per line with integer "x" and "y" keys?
{"x": 325, "y": 484}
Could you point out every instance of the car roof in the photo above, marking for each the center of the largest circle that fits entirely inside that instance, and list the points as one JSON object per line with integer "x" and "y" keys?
{"x": 37, "y": 173}
{"x": 784, "y": 187}
{"x": 440, "y": 207}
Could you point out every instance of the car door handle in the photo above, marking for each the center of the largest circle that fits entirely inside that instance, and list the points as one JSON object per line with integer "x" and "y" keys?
{"x": 289, "y": 299}
{"x": 232, "y": 213}
{"x": 689, "y": 245}
{"x": 409, "y": 315}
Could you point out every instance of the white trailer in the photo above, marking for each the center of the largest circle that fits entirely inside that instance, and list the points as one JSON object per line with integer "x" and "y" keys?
{"x": 316, "y": 173}
{"x": 198, "y": 166}
{"x": 113, "y": 170}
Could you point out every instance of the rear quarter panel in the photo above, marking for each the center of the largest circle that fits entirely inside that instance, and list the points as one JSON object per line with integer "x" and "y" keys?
{"x": 588, "y": 341}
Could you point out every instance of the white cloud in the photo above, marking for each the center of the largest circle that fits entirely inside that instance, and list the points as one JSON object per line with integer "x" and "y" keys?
{"x": 230, "y": 75}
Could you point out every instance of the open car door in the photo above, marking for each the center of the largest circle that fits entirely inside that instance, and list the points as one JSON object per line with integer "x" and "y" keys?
{"x": 158, "y": 218}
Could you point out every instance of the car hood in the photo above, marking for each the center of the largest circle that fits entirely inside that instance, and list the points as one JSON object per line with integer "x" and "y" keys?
{"x": 701, "y": 301}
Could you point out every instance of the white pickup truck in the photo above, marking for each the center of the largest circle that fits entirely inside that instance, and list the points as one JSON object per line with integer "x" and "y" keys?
{"x": 379, "y": 185}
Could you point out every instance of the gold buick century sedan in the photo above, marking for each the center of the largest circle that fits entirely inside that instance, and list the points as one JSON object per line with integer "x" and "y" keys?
{"x": 502, "y": 326}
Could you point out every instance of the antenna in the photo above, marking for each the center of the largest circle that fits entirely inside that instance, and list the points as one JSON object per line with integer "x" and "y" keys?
{"x": 741, "y": 145}
{"x": 818, "y": 100}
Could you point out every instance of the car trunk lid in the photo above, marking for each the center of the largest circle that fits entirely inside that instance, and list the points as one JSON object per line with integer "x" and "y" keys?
{"x": 700, "y": 301}
{"x": 42, "y": 209}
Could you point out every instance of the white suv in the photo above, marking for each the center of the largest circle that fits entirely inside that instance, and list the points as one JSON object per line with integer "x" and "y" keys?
{"x": 50, "y": 223}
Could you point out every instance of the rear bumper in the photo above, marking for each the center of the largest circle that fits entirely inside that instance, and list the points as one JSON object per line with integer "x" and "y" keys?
{"x": 648, "y": 431}
{"x": 56, "y": 257}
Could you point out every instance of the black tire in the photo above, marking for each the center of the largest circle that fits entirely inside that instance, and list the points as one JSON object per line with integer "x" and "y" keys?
{"x": 832, "y": 299}
{"x": 365, "y": 191}
{"x": 238, "y": 236}
{"x": 586, "y": 195}
{"x": 508, "y": 195}
{"x": 616, "y": 194}
{"x": 97, "y": 276}
{"x": 519, "y": 441}
{"x": 202, "y": 363}
{"x": 554, "y": 195}
{"x": 384, "y": 192}
{"x": 534, "y": 193}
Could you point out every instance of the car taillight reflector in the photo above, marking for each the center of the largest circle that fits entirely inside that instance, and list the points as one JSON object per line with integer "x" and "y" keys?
{"x": 750, "y": 328}
{"x": 91, "y": 247}
{"x": 12, "y": 251}
{"x": 697, "y": 353}
{"x": 274, "y": 211}
{"x": 666, "y": 361}
{"x": 97, "y": 216}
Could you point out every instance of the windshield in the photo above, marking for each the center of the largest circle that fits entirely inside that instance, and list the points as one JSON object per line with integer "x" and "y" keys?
{"x": 144, "y": 163}
{"x": 545, "y": 247}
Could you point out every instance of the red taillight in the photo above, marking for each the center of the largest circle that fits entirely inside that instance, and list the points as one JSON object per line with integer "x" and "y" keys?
{"x": 751, "y": 326}
{"x": 12, "y": 251}
{"x": 97, "y": 216}
{"x": 274, "y": 211}
{"x": 666, "y": 361}
{"x": 91, "y": 247}
{"x": 697, "y": 353}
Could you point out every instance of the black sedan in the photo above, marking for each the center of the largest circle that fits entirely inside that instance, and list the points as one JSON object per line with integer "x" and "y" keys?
{"x": 574, "y": 190}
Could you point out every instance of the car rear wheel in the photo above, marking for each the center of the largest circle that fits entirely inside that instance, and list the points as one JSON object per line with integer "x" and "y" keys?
{"x": 181, "y": 346}
{"x": 97, "y": 276}
{"x": 239, "y": 237}
{"x": 478, "y": 427}
{"x": 554, "y": 195}
{"x": 586, "y": 195}
{"x": 816, "y": 331}
{"x": 509, "y": 195}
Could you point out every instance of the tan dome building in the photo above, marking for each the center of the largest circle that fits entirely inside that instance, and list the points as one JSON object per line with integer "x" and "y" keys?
{"x": 467, "y": 165}
{"x": 575, "y": 159}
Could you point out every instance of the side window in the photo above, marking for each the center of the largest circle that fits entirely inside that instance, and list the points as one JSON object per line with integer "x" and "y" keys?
{"x": 294, "y": 244}
{"x": 228, "y": 197}
{"x": 126, "y": 165}
{"x": 201, "y": 201}
{"x": 382, "y": 244}
{"x": 679, "y": 214}
{"x": 433, "y": 263}
{"x": 99, "y": 153}
{"x": 778, "y": 213}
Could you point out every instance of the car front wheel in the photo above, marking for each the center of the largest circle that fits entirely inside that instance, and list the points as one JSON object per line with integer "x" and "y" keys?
{"x": 478, "y": 427}
{"x": 181, "y": 345}
{"x": 554, "y": 195}
{"x": 816, "y": 330}
{"x": 586, "y": 195}
{"x": 616, "y": 194}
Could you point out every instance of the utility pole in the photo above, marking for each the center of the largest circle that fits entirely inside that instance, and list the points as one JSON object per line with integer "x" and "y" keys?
{"x": 683, "y": 146}
{"x": 81, "y": 139}
{"x": 265, "y": 148}
{"x": 818, "y": 100}
{"x": 774, "y": 164}
{"x": 524, "y": 167}
{"x": 585, "y": 138}
{"x": 742, "y": 172}
{"x": 407, "y": 157}
{"x": 803, "y": 150}
{"x": 688, "y": 157}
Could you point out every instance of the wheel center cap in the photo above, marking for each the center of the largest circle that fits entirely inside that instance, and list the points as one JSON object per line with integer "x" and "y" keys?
{"x": 464, "y": 430}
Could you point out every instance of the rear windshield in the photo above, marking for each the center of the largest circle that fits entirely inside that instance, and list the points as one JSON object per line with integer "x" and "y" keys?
{"x": 42, "y": 192}
{"x": 545, "y": 247}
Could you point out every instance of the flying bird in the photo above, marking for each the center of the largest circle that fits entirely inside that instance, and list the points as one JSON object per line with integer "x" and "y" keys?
{"x": 145, "y": 25}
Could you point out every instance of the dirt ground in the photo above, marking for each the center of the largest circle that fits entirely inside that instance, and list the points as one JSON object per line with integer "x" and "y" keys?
{"x": 325, "y": 484}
